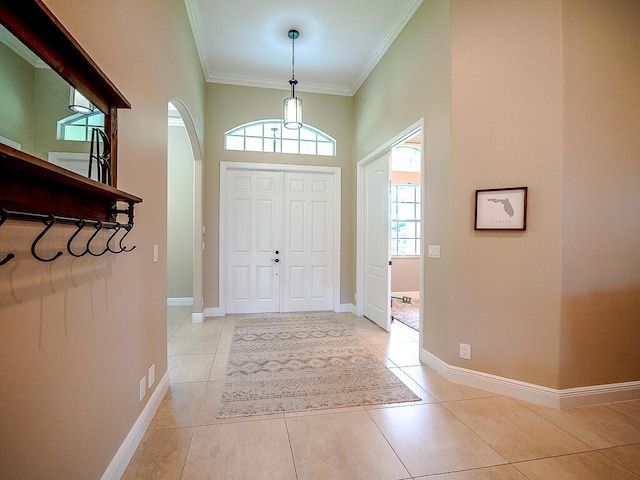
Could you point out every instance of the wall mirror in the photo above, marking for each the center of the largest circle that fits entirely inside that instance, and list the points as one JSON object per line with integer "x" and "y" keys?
{"x": 42, "y": 114}
{"x": 50, "y": 153}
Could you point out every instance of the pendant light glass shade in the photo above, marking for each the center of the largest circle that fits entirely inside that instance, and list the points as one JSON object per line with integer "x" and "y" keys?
{"x": 293, "y": 113}
{"x": 79, "y": 103}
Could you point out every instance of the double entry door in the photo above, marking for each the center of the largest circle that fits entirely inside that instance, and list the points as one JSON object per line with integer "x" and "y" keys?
{"x": 280, "y": 234}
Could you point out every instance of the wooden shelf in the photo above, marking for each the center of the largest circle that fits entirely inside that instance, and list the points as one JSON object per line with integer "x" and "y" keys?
{"x": 30, "y": 184}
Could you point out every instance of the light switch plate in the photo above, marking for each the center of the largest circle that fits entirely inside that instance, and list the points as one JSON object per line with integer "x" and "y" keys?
{"x": 433, "y": 251}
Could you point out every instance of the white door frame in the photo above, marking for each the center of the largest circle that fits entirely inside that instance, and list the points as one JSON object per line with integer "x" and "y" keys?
{"x": 385, "y": 148}
{"x": 224, "y": 167}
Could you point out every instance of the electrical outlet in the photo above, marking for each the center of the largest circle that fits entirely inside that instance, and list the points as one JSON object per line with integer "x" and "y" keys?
{"x": 143, "y": 387}
{"x": 465, "y": 351}
{"x": 152, "y": 375}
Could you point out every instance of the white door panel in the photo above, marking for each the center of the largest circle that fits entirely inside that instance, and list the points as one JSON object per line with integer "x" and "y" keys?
{"x": 253, "y": 236}
{"x": 376, "y": 242}
{"x": 309, "y": 229}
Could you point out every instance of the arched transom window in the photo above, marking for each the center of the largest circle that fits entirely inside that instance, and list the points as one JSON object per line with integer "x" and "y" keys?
{"x": 271, "y": 136}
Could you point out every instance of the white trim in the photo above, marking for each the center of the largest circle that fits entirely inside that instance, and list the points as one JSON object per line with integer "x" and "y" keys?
{"x": 214, "y": 312}
{"x": 10, "y": 143}
{"x": 346, "y": 308}
{"x": 410, "y": 9}
{"x": 197, "y": 317}
{"x": 412, "y": 130}
{"x": 550, "y": 397}
{"x": 20, "y": 48}
{"x": 224, "y": 166}
{"x": 124, "y": 454}
{"x": 179, "y": 302}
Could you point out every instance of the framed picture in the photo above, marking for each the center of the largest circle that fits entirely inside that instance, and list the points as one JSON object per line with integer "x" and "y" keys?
{"x": 501, "y": 209}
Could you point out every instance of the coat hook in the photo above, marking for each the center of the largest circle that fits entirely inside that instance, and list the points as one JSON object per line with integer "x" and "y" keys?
{"x": 81, "y": 224}
{"x": 115, "y": 231}
{"x": 128, "y": 228}
{"x": 98, "y": 228}
{"x": 49, "y": 221}
{"x": 3, "y": 218}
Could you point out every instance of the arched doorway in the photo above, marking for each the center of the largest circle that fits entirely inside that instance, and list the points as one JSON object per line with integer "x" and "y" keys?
{"x": 184, "y": 212}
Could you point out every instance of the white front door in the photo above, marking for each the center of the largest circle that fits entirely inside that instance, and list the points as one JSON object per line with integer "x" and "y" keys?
{"x": 280, "y": 236}
{"x": 376, "y": 279}
{"x": 253, "y": 237}
{"x": 308, "y": 226}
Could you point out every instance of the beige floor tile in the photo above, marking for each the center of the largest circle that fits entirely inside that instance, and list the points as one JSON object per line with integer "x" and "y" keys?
{"x": 630, "y": 409}
{"x": 582, "y": 466}
{"x": 513, "y": 430}
{"x": 502, "y": 472}
{"x": 219, "y": 365}
{"x": 379, "y": 336}
{"x": 224, "y": 345}
{"x": 442, "y": 389}
{"x": 172, "y": 328}
{"x": 597, "y": 426}
{"x": 627, "y": 456}
{"x": 179, "y": 407}
{"x": 190, "y": 368}
{"x": 430, "y": 440}
{"x": 211, "y": 326}
{"x": 185, "y": 345}
{"x": 160, "y": 455}
{"x": 342, "y": 446}
{"x": 378, "y": 354}
{"x": 240, "y": 451}
{"x": 402, "y": 354}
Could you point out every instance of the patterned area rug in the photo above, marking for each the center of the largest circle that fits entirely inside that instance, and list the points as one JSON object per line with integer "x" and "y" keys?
{"x": 290, "y": 363}
{"x": 407, "y": 313}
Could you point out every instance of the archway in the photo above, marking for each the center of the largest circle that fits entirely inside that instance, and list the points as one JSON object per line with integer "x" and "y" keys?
{"x": 184, "y": 207}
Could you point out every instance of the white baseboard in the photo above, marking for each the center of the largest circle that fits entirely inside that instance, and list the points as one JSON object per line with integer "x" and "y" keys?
{"x": 122, "y": 457}
{"x": 550, "y": 397}
{"x": 213, "y": 312}
{"x": 179, "y": 302}
{"x": 197, "y": 317}
{"x": 346, "y": 308}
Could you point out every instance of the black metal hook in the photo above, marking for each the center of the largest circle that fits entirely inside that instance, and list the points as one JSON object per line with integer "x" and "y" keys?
{"x": 115, "y": 232}
{"x": 81, "y": 224}
{"x": 98, "y": 228}
{"x": 49, "y": 221}
{"x": 122, "y": 248}
{"x": 3, "y": 218}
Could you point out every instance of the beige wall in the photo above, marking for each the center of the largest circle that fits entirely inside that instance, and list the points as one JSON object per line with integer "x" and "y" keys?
{"x": 507, "y": 131}
{"x": 229, "y": 106}
{"x": 179, "y": 214}
{"x": 538, "y": 94}
{"x": 601, "y": 179}
{"x": 17, "y": 90}
{"x": 413, "y": 81}
{"x": 77, "y": 335}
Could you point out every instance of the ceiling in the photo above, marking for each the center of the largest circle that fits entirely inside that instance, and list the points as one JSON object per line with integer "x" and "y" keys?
{"x": 244, "y": 42}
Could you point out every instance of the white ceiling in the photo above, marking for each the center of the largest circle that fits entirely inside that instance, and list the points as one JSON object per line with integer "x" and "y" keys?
{"x": 244, "y": 42}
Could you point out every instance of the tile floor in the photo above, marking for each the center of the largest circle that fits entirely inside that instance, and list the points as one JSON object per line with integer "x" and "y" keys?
{"x": 455, "y": 433}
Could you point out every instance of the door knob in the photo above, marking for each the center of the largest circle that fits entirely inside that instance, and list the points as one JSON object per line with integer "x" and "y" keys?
{"x": 277, "y": 260}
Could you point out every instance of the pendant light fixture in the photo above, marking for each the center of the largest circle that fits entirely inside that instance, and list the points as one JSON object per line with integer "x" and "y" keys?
{"x": 293, "y": 105}
{"x": 79, "y": 103}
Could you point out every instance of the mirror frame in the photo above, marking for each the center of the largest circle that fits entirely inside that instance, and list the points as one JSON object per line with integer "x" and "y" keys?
{"x": 31, "y": 184}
